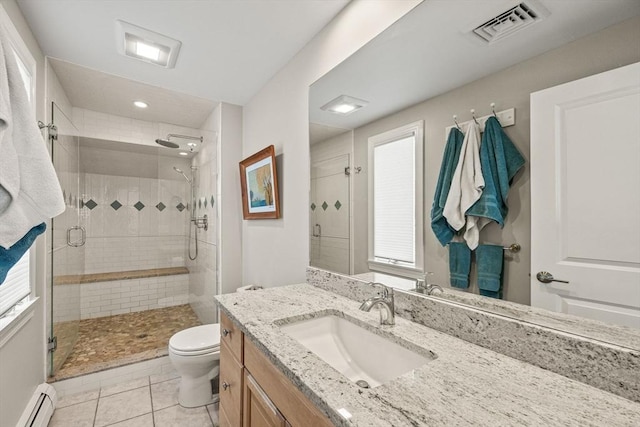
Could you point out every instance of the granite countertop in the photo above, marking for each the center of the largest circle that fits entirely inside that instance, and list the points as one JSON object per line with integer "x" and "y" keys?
{"x": 465, "y": 385}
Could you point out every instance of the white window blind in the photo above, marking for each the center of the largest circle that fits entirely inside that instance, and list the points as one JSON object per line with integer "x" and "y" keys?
{"x": 15, "y": 285}
{"x": 394, "y": 227}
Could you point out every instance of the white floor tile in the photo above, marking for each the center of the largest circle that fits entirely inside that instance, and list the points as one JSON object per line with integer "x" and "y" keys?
{"x": 126, "y": 386}
{"x": 79, "y": 415}
{"x": 177, "y": 416}
{"x": 158, "y": 378}
{"x": 213, "y": 413}
{"x": 73, "y": 399}
{"x": 165, "y": 394}
{"x": 122, "y": 406}
{"x": 141, "y": 421}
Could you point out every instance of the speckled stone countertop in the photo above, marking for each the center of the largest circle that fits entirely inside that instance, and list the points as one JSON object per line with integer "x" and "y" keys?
{"x": 465, "y": 385}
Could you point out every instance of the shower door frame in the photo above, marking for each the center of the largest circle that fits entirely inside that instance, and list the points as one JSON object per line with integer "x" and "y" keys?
{"x": 56, "y": 223}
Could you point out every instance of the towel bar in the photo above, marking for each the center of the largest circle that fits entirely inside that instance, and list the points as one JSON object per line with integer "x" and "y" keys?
{"x": 515, "y": 247}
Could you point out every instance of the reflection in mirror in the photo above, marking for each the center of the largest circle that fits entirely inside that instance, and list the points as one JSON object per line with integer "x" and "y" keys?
{"x": 429, "y": 66}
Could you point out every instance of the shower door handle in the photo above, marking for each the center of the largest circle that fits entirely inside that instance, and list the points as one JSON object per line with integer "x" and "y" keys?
{"x": 83, "y": 237}
{"x": 317, "y": 227}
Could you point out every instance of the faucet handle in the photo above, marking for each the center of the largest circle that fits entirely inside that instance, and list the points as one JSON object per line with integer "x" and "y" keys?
{"x": 385, "y": 289}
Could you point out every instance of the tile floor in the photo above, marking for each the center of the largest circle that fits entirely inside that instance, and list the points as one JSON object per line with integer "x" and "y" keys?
{"x": 146, "y": 402}
{"x": 106, "y": 342}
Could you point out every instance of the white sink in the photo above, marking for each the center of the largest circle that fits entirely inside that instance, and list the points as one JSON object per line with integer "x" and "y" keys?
{"x": 354, "y": 351}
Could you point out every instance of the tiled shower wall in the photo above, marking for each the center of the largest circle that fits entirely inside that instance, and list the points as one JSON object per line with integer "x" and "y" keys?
{"x": 134, "y": 223}
{"x": 329, "y": 204}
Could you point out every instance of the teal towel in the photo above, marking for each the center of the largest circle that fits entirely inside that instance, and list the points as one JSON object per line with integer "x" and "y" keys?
{"x": 9, "y": 257}
{"x": 500, "y": 160}
{"x": 489, "y": 260}
{"x": 459, "y": 264}
{"x": 441, "y": 228}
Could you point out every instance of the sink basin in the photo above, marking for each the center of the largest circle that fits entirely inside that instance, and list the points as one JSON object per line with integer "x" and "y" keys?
{"x": 355, "y": 352}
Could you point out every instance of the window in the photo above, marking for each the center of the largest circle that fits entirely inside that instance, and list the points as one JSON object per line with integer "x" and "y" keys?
{"x": 17, "y": 284}
{"x": 395, "y": 200}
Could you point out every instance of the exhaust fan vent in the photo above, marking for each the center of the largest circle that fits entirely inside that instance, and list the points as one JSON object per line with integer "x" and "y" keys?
{"x": 511, "y": 21}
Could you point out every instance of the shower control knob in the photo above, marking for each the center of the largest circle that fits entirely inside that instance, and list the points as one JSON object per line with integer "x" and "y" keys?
{"x": 226, "y": 332}
{"x": 225, "y": 385}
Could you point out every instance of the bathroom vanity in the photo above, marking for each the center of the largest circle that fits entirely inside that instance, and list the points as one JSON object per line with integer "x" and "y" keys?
{"x": 268, "y": 377}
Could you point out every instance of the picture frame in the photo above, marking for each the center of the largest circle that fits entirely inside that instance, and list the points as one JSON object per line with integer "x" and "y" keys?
{"x": 259, "y": 182}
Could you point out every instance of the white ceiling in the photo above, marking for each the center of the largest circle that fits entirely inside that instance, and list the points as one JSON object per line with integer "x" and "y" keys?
{"x": 430, "y": 51}
{"x": 97, "y": 91}
{"x": 230, "y": 49}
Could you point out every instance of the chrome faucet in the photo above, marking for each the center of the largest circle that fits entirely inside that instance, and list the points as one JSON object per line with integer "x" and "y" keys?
{"x": 422, "y": 287}
{"x": 386, "y": 301}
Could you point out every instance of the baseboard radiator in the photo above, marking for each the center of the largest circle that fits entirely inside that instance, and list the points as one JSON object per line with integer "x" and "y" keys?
{"x": 40, "y": 408}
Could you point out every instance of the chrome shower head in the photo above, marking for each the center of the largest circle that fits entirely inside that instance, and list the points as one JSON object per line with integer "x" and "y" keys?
{"x": 182, "y": 173}
{"x": 166, "y": 143}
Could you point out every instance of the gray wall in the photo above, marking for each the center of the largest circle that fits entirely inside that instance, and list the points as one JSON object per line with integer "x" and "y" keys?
{"x": 611, "y": 48}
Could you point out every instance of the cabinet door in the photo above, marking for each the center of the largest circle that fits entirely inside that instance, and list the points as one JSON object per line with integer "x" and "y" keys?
{"x": 259, "y": 411}
{"x": 230, "y": 387}
{"x": 231, "y": 335}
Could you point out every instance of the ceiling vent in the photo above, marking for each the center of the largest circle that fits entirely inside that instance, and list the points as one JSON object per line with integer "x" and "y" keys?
{"x": 511, "y": 21}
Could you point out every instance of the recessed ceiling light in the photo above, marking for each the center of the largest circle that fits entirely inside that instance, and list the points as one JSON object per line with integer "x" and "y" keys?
{"x": 146, "y": 45}
{"x": 344, "y": 105}
{"x": 147, "y": 51}
{"x": 140, "y": 104}
{"x": 183, "y": 153}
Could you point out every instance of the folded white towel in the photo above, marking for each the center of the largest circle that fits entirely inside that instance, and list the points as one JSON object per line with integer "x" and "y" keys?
{"x": 31, "y": 192}
{"x": 466, "y": 185}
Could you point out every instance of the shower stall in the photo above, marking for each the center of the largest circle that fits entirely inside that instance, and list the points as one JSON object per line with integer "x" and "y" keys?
{"x": 124, "y": 269}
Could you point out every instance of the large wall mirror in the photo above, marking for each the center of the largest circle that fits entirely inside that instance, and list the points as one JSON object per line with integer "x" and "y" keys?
{"x": 426, "y": 68}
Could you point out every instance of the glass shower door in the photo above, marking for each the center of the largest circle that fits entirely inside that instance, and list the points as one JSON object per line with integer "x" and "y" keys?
{"x": 67, "y": 240}
{"x": 329, "y": 220}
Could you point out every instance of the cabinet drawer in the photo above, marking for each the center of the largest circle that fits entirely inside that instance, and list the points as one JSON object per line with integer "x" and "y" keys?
{"x": 230, "y": 386}
{"x": 259, "y": 410}
{"x": 232, "y": 336}
{"x": 296, "y": 408}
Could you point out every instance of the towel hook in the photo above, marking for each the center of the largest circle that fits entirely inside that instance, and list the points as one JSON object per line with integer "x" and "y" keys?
{"x": 473, "y": 114}
{"x": 455, "y": 120}
{"x": 493, "y": 108}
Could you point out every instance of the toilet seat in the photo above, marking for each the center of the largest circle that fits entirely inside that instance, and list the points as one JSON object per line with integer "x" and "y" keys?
{"x": 196, "y": 341}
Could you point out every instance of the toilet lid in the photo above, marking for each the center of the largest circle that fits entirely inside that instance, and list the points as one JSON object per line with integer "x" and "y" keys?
{"x": 196, "y": 339}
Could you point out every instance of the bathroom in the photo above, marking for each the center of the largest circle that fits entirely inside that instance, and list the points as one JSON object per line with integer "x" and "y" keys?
{"x": 234, "y": 252}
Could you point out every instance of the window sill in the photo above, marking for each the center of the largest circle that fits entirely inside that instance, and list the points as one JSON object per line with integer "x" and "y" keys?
{"x": 11, "y": 324}
{"x": 398, "y": 270}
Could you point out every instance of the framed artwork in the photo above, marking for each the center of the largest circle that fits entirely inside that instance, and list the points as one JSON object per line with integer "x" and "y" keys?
{"x": 259, "y": 184}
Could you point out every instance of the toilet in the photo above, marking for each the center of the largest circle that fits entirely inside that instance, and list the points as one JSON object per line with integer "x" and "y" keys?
{"x": 195, "y": 354}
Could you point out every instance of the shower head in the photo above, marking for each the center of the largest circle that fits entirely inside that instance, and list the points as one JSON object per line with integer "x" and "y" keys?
{"x": 182, "y": 173}
{"x": 166, "y": 143}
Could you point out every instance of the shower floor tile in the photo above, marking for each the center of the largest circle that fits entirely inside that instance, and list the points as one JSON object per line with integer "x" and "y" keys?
{"x": 107, "y": 342}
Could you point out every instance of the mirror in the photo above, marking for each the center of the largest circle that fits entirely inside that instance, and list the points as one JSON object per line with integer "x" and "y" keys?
{"x": 430, "y": 66}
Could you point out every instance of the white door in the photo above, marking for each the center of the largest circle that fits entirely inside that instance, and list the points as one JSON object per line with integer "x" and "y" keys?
{"x": 585, "y": 197}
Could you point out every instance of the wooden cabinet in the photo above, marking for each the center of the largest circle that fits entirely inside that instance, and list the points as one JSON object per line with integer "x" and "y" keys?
{"x": 231, "y": 384}
{"x": 258, "y": 409}
{"x": 231, "y": 335}
{"x": 267, "y": 398}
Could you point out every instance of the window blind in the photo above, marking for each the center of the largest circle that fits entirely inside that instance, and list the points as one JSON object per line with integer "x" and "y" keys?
{"x": 394, "y": 200}
{"x": 15, "y": 285}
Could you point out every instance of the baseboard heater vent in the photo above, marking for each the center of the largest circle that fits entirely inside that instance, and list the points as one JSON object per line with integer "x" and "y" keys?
{"x": 40, "y": 408}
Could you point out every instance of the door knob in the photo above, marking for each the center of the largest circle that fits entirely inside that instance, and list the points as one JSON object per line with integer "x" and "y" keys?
{"x": 226, "y": 332}
{"x": 546, "y": 277}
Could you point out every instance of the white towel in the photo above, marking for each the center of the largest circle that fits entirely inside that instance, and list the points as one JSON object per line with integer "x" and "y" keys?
{"x": 466, "y": 185}
{"x": 31, "y": 192}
